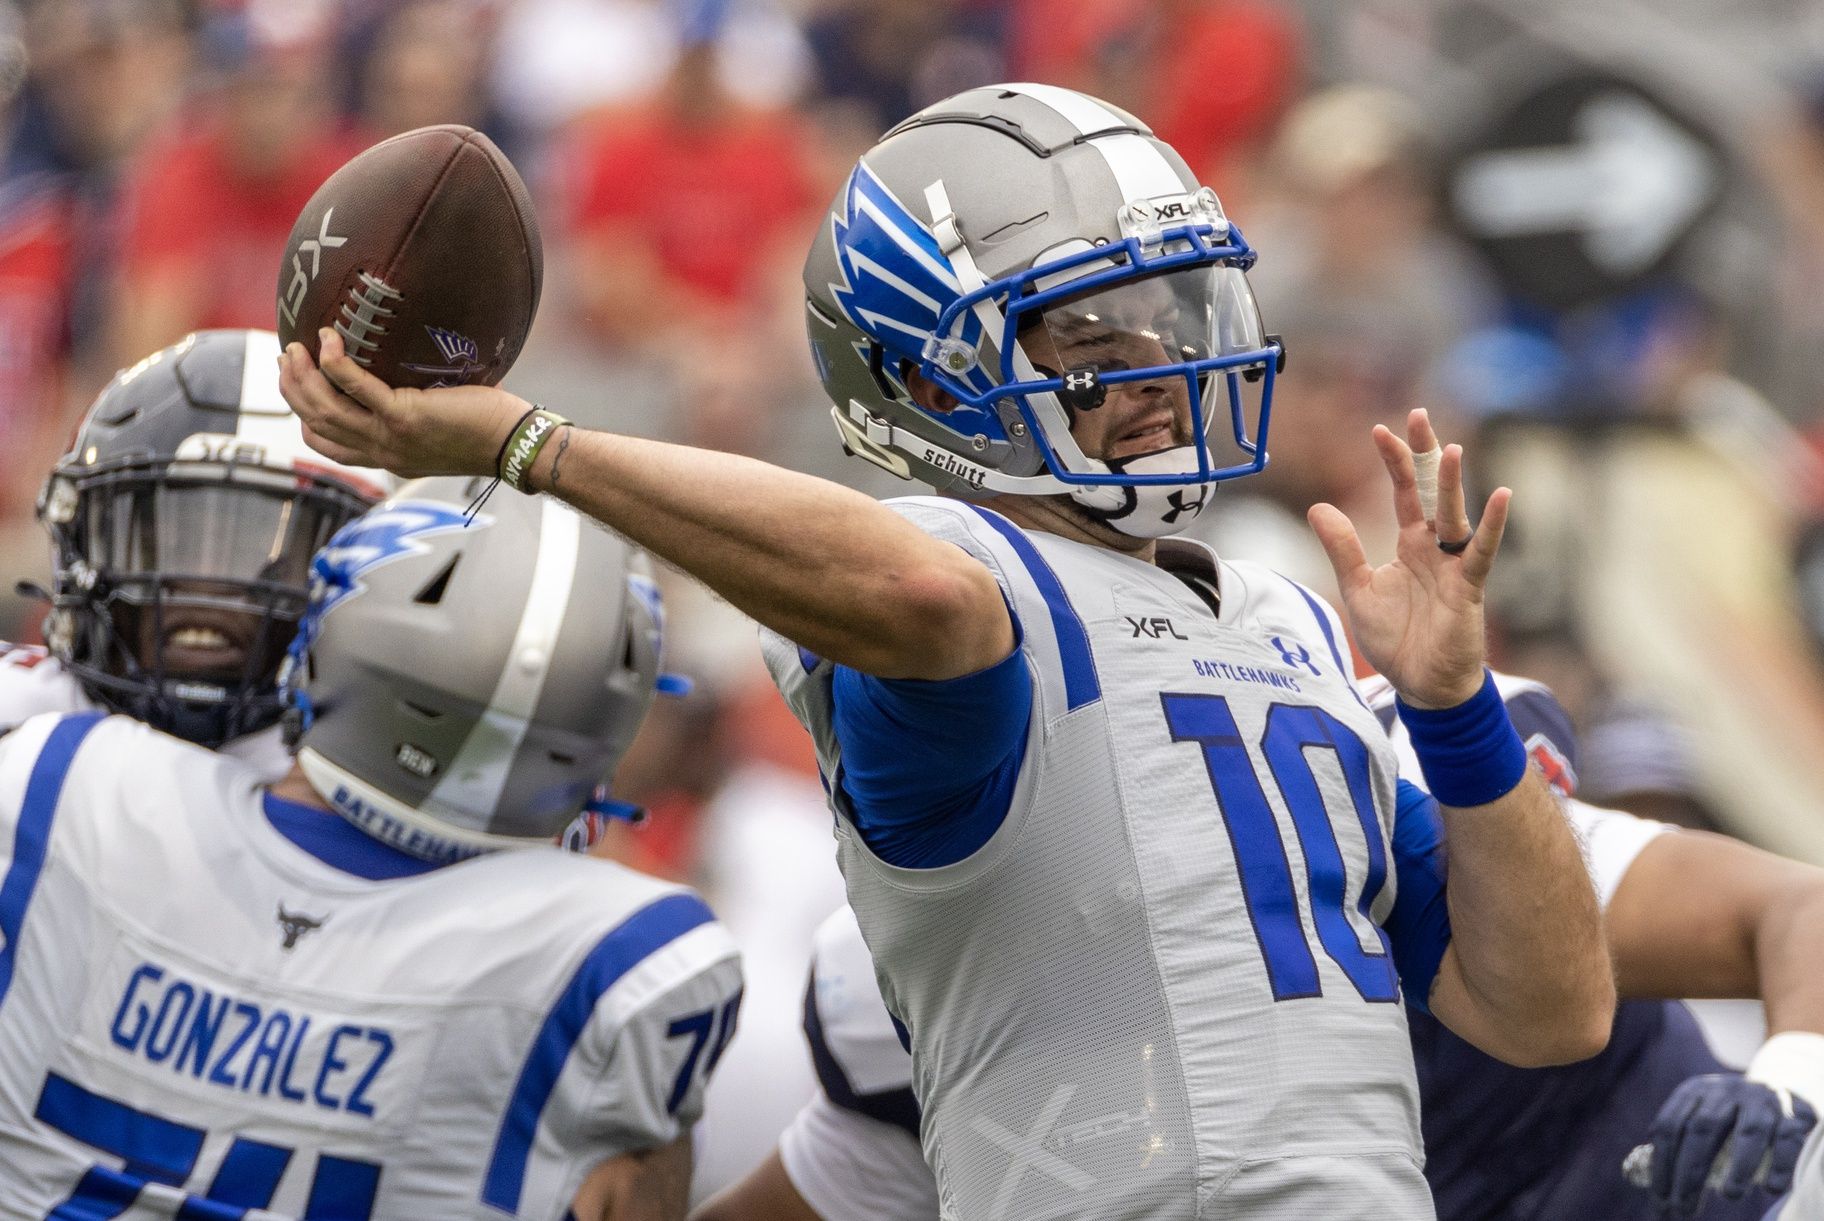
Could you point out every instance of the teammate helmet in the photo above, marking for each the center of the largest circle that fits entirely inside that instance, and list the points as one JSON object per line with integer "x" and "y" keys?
{"x": 1027, "y": 248}
{"x": 182, "y": 525}
{"x": 466, "y": 683}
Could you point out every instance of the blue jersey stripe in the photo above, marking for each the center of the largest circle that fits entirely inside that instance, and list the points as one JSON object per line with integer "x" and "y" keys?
{"x": 1082, "y": 685}
{"x": 340, "y": 844}
{"x": 627, "y": 945}
{"x": 1323, "y": 623}
{"x": 32, "y": 837}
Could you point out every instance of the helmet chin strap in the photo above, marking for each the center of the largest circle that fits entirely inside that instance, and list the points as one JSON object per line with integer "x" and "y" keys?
{"x": 1156, "y": 510}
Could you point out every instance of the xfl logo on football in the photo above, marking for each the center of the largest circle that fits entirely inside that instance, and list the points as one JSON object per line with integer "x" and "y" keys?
{"x": 293, "y": 298}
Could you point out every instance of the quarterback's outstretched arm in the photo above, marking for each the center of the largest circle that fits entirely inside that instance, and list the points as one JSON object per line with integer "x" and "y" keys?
{"x": 1526, "y": 977}
{"x": 820, "y": 564}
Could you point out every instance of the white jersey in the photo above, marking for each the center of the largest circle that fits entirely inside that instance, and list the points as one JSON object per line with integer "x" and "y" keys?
{"x": 32, "y": 682}
{"x": 211, "y": 996}
{"x": 1611, "y": 839}
{"x": 1159, "y": 989}
{"x": 853, "y": 1151}
{"x": 850, "y": 1165}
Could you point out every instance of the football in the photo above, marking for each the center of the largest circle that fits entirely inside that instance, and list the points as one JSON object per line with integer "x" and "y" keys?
{"x": 423, "y": 252}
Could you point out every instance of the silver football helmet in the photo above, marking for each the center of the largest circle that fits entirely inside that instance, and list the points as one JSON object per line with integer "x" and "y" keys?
{"x": 464, "y": 684}
{"x": 1040, "y": 258}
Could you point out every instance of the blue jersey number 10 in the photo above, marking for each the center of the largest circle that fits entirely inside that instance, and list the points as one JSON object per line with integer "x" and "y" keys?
{"x": 1260, "y": 856}
{"x": 156, "y": 1150}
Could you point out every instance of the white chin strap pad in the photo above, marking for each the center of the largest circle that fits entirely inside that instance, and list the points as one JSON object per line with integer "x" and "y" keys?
{"x": 1154, "y": 510}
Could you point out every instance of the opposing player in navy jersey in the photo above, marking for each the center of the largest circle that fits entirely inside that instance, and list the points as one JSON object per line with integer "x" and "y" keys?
{"x": 182, "y": 522}
{"x": 374, "y": 989}
{"x": 1132, "y": 855}
{"x": 1688, "y": 915}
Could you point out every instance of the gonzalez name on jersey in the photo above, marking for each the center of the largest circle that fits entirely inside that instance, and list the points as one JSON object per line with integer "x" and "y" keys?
{"x": 213, "y": 1000}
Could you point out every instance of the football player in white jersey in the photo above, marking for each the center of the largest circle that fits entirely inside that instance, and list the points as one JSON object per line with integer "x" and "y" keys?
{"x": 1133, "y": 857}
{"x": 374, "y": 989}
{"x": 182, "y": 524}
{"x": 1690, "y": 914}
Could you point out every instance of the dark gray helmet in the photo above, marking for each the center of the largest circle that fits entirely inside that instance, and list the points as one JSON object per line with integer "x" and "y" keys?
{"x": 1036, "y": 253}
{"x": 183, "y": 522}
{"x": 467, "y": 684}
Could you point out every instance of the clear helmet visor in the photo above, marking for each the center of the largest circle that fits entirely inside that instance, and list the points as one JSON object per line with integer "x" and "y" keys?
{"x": 207, "y": 577}
{"x": 1177, "y": 361}
{"x": 230, "y": 533}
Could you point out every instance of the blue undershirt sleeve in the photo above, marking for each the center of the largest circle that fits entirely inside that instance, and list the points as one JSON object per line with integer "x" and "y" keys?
{"x": 928, "y": 768}
{"x": 1419, "y": 925}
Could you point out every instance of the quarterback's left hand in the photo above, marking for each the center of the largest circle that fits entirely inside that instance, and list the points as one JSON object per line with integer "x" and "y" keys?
{"x": 1418, "y": 620}
{"x": 1707, "y": 1114}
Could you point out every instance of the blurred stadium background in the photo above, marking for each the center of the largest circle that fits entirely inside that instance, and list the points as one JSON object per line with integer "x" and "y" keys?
{"x": 1589, "y": 234}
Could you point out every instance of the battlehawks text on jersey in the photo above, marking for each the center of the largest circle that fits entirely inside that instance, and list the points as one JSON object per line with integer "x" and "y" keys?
{"x": 208, "y": 1005}
{"x": 32, "y": 683}
{"x": 1131, "y": 1002}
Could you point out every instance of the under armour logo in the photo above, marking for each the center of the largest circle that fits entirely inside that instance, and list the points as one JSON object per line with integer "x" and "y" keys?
{"x": 1296, "y": 654}
{"x": 295, "y": 926}
{"x": 1182, "y": 503}
{"x": 1083, "y": 389}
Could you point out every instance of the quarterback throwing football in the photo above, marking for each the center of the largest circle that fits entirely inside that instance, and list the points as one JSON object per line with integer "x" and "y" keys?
{"x": 1133, "y": 859}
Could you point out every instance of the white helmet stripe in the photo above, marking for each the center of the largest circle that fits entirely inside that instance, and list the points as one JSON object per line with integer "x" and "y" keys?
{"x": 265, "y": 420}
{"x": 478, "y": 774}
{"x": 1083, "y": 111}
{"x": 1141, "y": 171}
{"x": 260, "y": 377}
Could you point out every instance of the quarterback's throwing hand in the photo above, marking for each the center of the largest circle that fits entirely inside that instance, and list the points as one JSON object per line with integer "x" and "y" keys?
{"x": 353, "y": 417}
{"x": 1418, "y": 620}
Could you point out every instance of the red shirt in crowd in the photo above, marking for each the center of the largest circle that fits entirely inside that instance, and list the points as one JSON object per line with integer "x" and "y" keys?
{"x": 189, "y": 208}
{"x": 709, "y": 201}
{"x": 1208, "y": 76}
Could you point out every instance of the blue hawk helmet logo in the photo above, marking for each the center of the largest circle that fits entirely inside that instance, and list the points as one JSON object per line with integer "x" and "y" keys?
{"x": 369, "y": 542}
{"x": 896, "y": 283}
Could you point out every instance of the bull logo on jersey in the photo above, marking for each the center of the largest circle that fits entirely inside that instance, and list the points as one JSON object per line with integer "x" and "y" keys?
{"x": 293, "y": 926}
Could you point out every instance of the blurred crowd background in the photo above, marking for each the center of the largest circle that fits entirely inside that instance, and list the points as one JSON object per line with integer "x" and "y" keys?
{"x": 1588, "y": 234}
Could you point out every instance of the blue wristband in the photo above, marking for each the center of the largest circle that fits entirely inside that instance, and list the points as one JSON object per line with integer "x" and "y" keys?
{"x": 1470, "y": 754}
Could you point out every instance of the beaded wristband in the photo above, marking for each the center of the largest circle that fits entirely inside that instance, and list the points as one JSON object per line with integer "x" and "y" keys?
{"x": 535, "y": 428}
{"x": 1470, "y": 754}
